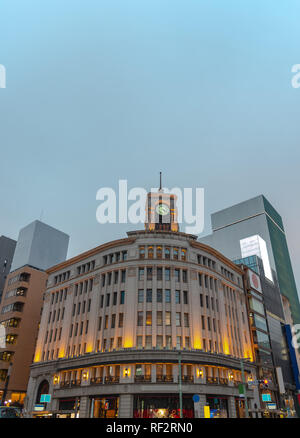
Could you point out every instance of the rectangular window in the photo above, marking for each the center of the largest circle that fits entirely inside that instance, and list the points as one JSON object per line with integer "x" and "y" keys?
{"x": 168, "y": 318}
{"x": 123, "y": 276}
{"x": 149, "y": 296}
{"x": 119, "y": 342}
{"x": 101, "y": 301}
{"x": 140, "y": 295}
{"x": 139, "y": 341}
{"x": 113, "y": 320}
{"x": 167, "y": 295}
{"x": 159, "y": 341}
{"x": 115, "y": 298}
{"x": 208, "y": 323}
{"x": 200, "y": 279}
{"x": 107, "y": 300}
{"x": 140, "y": 319}
{"x": 149, "y": 273}
{"x": 159, "y": 295}
{"x": 169, "y": 342}
{"x": 178, "y": 319}
{"x": 178, "y": 342}
{"x": 141, "y": 273}
{"x": 159, "y": 274}
{"x": 121, "y": 319}
{"x": 186, "y": 320}
{"x": 148, "y": 318}
{"x": 106, "y": 322}
{"x": 148, "y": 341}
{"x": 167, "y": 274}
{"x": 185, "y": 297}
{"x": 203, "y": 322}
{"x": 122, "y": 297}
{"x": 159, "y": 318}
{"x": 177, "y": 275}
{"x": 184, "y": 276}
{"x": 177, "y": 296}
{"x": 116, "y": 277}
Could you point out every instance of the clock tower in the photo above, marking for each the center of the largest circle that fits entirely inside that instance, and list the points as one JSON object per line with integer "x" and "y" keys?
{"x": 161, "y": 211}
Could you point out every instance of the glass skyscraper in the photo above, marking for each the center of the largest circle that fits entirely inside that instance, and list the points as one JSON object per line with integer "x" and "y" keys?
{"x": 250, "y": 219}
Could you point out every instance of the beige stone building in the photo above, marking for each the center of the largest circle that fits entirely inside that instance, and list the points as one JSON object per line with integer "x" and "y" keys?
{"x": 117, "y": 321}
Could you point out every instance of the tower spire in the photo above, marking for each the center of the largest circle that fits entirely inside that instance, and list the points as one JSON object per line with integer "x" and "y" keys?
{"x": 160, "y": 185}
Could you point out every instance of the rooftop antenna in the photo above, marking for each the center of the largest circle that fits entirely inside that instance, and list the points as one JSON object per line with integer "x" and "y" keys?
{"x": 160, "y": 186}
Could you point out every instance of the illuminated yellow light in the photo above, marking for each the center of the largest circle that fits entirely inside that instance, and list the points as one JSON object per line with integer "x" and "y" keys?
{"x": 197, "y": 343}
{"x": 85, "y": 375}
{"x": 128, "y": 343}
{"x": 126, "y": 372}
{"x": 37, "y": 356}
{"x": 199, "y": 373}
{"x": 89, "y": 348}
{"x": 206, "y": 412}
{"x": 226, "y": 346}
{"x": 56, "y": 380}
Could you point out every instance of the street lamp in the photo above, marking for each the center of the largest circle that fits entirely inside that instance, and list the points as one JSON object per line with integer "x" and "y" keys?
{"x": 180, "y": 383}
{"x": 244, "y": 385}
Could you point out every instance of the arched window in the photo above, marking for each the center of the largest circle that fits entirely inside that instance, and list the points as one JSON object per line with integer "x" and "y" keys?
{"x": 142, "y": 252}
{"x": 43, "y": 389}
{"x": 150, "y": 252}
{"x": 159, "y": 252}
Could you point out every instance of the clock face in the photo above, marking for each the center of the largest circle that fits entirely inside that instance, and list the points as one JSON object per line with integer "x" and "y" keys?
{"x": 162, "y": 209}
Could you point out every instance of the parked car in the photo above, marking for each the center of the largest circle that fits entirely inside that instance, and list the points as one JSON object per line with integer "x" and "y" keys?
{"x": 9, "y": 412}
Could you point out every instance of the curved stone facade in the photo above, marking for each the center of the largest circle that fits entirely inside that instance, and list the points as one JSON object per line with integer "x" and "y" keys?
{"x": 117, "y": 320}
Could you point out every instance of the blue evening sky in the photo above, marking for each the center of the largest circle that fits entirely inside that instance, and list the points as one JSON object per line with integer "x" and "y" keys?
{"x": 99, "y": 90}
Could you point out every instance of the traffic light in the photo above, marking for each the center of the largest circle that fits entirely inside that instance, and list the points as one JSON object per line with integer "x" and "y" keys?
{"x": 266, "y": 383}
{"x": 263, "y": 384}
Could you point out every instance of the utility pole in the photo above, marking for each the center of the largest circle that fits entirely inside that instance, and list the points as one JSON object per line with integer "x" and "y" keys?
{"x": 244, "y": 387}
{"x": 180, "y": 384}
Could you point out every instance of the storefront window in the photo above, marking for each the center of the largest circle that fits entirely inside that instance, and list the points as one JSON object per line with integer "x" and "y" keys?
{"x": 106, "y": 407}
{"x": 218, "y": 407}
{"x": 162, "y": 406}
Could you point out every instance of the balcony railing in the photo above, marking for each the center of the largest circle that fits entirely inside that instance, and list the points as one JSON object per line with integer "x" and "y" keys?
{"x": 165, "y": 379}
{"x": 142, "y": 379}
{"x": 187, "y": 379}
{"x": 96, "y": 381}
{"x": 75, "y": 382}
{"x": 223, "y": 381}
{"x": 111, "y": 379}
{"x": 212, "y": 380}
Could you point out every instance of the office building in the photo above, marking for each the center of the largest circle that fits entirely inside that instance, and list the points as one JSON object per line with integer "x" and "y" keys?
{"x": 7, "y": 249}
{"x": 21, "y": 305}
{"x": 254, "y": 227}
